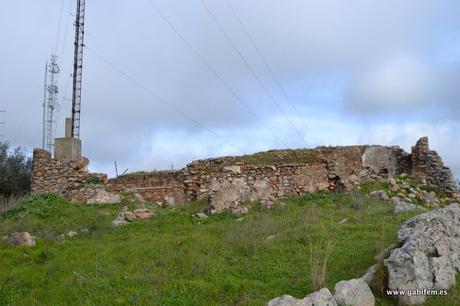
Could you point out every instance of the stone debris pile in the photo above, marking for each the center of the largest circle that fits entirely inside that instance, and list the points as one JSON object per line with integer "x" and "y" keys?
{"x": 125, "y": 216}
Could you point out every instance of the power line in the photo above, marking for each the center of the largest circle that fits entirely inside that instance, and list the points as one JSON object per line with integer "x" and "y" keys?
{"x": 251, "y": 70}
{"x": 158, "y": 97}
{"x": 58, "y": 34}
{"x": 213, "y": 71}
{"x": 270, "y": 69}
{"x": 65, "y": 31}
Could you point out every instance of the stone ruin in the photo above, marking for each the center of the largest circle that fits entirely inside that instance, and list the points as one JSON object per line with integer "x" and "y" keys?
{"x": 225, "y": 183}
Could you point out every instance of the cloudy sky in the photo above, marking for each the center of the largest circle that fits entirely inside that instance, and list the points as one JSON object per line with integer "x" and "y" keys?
{"x": 170, "y": 81}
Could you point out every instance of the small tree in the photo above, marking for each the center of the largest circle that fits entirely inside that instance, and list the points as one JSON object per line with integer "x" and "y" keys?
{"x": 15, "y": 170}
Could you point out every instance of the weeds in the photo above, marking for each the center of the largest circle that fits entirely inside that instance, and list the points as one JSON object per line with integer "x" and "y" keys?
{"x": 8, "y": 202}
{"x": 319, "y": 256}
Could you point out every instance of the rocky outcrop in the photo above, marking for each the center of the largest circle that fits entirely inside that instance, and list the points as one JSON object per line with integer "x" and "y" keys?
{"x": 354, "y": 292}
{"x": 322, "y": 297}
{"x": 429, "y": 256}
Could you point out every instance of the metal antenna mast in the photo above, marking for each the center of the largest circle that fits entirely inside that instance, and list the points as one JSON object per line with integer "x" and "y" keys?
{"x": 45, "y": 90}
{"x": 51, "y": 102}
{"x": 78, "y": 67}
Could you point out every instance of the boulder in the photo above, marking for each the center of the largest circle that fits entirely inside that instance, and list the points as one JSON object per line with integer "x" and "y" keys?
{"x": 322, "y": 297}
{"x": 285, "y": 300}
{"x": 354, "y": 292}
{"x": 22, "y": 239}
{"x": 429, "y": 256}
{"x": 368, "y": 277}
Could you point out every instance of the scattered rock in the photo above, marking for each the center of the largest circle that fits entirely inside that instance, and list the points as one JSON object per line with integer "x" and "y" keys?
{"x": 240, "y": 211}
{"x": 403, "y": 207}
{"x": 120, "y": 220}
{"x": 126, "y": 216}
{"x": 393, "y": 185}
{"x": 354, "y": 292}
{"x": 201, "y": 215}
{"x": 143, "y": 213}
{"x": 381, "y": 195}
{"x": 22, "y": 239}
{"x": 129, "y": 216}
{"x": 430, "y": 198}
{"x": 71, "y": 234}
{"x": 271, "y": 237}
{"x": 429, "y": 256}
{"x": 405, "y": 186}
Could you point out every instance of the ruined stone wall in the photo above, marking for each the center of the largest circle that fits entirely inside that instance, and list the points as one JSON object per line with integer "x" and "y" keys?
{"x": 428, "y": 165}
{"x": 226, "y": 182}
{"x": 267, "y": 176}
{"x": 58, "y": 176}
{"x": 159, "y": 187}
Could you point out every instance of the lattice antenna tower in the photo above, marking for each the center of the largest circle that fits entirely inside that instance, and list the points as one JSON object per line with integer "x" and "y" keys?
{"x": 51, "y": 104}
{"x": 78, "y": 67}
{"x": 2, "y": 123}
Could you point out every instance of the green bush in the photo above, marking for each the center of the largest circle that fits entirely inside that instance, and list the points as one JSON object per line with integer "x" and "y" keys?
{"x": 94, "y": 180}
{"x": 15, "y": 170}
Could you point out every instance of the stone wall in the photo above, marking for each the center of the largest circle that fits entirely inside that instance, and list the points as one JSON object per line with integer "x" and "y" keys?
{"x": 428, "y": 165}
{"x": 226, "y": 183}
{"x": 163, "y": 187}
{"x": 268, "y": 176}
{"x": 58, "y": 176}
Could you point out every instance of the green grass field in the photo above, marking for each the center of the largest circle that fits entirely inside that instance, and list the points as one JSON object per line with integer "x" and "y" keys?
{"x": 176, "y": 259}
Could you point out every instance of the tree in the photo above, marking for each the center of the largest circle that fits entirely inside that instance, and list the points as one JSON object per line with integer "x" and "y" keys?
{"x": 15, "y": 170}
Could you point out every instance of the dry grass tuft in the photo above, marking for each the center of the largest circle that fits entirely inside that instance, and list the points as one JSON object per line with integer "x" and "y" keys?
{"x": 319, "y": 256}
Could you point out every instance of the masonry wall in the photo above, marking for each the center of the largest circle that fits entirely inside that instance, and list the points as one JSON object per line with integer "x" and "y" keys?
{"x": 228, "y": 181}
{"x": 58, "y": 176}
{"x": 165, "y": 187}
{"x": 428, "y": 165}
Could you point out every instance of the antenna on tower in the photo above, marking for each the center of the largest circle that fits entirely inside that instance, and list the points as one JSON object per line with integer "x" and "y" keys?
{"x": 50, "y": 102}
{"x": 78, "y": 67}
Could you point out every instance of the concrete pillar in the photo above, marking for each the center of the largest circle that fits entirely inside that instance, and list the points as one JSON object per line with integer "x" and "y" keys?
{"x": 67, "y": 147}
{"x": 68, "y": 127}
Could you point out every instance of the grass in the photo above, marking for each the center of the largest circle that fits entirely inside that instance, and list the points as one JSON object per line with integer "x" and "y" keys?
{"x": 176, "y": 259}
{"x": 279, "y": 157}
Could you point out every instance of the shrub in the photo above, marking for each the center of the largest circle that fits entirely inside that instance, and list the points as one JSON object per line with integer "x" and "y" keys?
{"x": 15, "y": 171}
{"x": 94, "y": 180}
